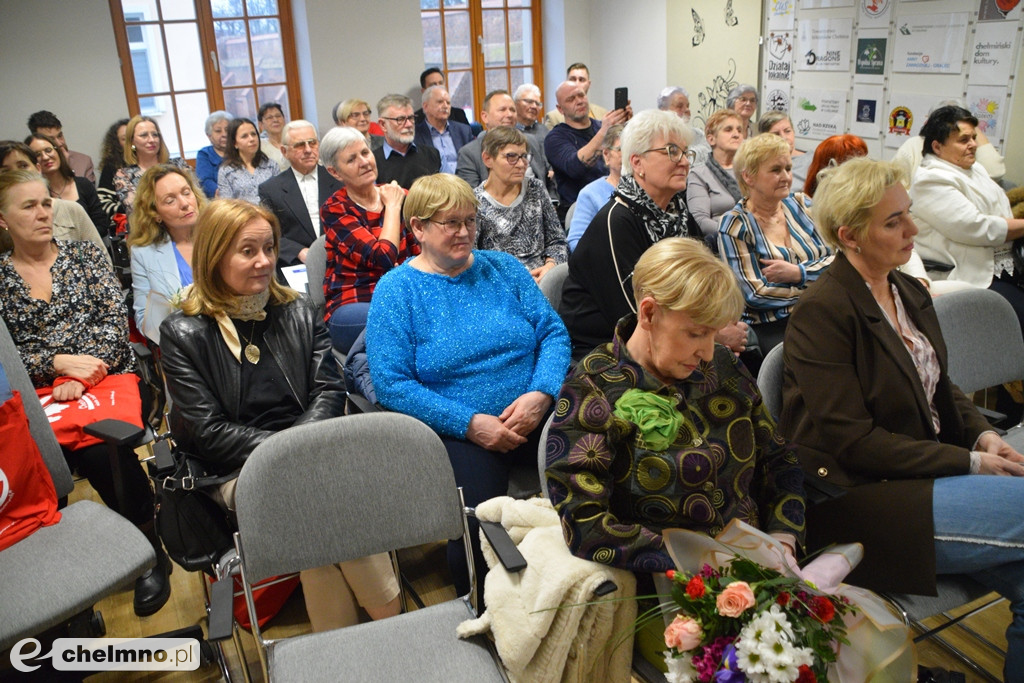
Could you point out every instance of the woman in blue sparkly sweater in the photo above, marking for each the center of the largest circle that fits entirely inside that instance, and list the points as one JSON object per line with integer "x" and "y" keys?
{"x": 465, "y": 341}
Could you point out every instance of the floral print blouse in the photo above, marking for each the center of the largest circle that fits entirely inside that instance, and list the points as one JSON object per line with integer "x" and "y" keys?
{"x": 127, "y": 179}
{"x": 617, "y": 486}
{"x": 86, "y": 314}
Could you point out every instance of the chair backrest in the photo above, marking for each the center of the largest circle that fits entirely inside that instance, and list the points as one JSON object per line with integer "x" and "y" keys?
{"x": 552, "y": 282}
{"x": 39, "y": 425}
{"x": 983, "y": 338}
{"x": 769, "y": 381}
{"x": 342, "y": 489}
{"x": 316, "y": 268}
{"x": 569, "y": 215}
{"x": 542, "y": 455}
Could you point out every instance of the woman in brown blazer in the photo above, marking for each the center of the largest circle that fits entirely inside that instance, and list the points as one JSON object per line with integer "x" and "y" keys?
{"x": 870, "y": 407}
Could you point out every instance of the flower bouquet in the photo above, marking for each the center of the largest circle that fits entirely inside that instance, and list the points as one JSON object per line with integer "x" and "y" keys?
{"x": 743, "y": 613}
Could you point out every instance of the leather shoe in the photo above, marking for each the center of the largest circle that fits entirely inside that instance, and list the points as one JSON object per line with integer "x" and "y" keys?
{"x": 153, "y": 589}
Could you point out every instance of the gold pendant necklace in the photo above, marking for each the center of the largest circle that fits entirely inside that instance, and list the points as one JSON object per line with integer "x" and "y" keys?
{"x": 252, "y": 352}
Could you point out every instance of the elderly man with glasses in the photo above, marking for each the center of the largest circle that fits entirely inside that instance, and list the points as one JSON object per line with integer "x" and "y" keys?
{"x": 400, "y": 158}
{"x": 296, "y": 194}
{"x": 437, "y": 130}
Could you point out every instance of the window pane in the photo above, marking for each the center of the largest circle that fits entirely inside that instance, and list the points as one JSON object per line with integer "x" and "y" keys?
{"x": 519, "y": 76}
{"x": 233, "y": 53}
{"x": 460, "y": 86}
{"x": 177, "y": 9}
{"x": 226, "y": 8}
{"x": 163, "y": 113}
{"x": 494, "y": 38}
{"x": 456, "y": 4}
{"x": 241, "y": 102}
{"x": 457, "y": 39}
{"x": 520, "y": 37}
{"x": 267, "y": 50}
{"x": 139, "y": 10}
{"x": 496, "y": 79}
{"x": 192, "y": 112}
{"x": 492, "y": 3}
{"x": 186, "y": 56}
{"x": 148, "y": 60}
{"x": 432, "y": 48}
{"x": 261, "y": 8}
{"x": 519, "y": 3}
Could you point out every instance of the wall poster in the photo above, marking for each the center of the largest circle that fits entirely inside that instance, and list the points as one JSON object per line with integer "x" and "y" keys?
{"x": 992, "y": 53}
{"x": 930, "y": 43}
{"x": 824, "y": 44}
{"x": 818, "y": 113}
{"x": 988, "y": 103}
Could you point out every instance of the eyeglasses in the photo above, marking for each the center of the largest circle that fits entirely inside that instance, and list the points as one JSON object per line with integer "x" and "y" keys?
{"x": 513, "y": 159}
{"x": 400, "y": 119}
{"x": 675, "y": 153}
{"x": 748, "y": 100}
{"x": 616, "y": 148}
{"x": 360, "y": 114}
{"x": 312, "y": 143}
{"x": 453, "y": 225}
{"x": 47, "y": 151}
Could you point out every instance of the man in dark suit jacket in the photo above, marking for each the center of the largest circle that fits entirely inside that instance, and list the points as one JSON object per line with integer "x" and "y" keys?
{"x": 290, "y": 195}
{"x": 431, "y": 77}
{"x": 437, "y": 131}
{"x": 400, "y": 158}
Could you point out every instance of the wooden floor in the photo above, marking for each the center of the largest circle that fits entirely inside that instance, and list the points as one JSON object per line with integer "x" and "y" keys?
{"x": 426, "y": 567}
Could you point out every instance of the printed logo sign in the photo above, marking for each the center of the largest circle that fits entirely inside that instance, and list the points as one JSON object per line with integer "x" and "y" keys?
{"x": 901, "y": 119}
{"x": 871, "y": 56}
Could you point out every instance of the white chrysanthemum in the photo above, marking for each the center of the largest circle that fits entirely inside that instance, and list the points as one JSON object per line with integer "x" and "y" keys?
{"x": 765, "y": 645}
{"x": 680, "y": 669}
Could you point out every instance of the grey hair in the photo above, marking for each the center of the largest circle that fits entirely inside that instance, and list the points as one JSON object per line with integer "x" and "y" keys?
{"x": 641, "y": 130}
{"x": 292, "y": 125}
{"x": 769, "y": 119}
{"x": 214, "y": 118}
{"x": 521, "y": 91}
{"x": 429, "y": 93}
{"x": 738, "y": 92}
{"x": 393, "y": 100}
{"x": 335, "y": 140}
{"x": 668, "y": 93}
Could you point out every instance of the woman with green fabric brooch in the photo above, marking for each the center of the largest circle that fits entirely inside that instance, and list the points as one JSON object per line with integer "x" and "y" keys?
{"x": 661, "y": 428}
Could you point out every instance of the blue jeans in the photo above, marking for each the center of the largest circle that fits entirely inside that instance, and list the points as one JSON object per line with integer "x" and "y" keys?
{"x": 979, "y": 530}
{"x": 346, "y": 323}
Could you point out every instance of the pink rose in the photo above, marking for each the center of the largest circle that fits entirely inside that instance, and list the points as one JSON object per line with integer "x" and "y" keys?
{"x": 684, "y": 634}
{"x": 735, "y": 599}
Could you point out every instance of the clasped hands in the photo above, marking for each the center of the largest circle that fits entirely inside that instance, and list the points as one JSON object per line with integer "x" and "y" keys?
{"x": 90, "y": 370}
{"x": 510, "y": 429}
{"x": 999, "y": 457}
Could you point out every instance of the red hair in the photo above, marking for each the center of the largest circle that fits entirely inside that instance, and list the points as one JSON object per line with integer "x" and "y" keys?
{"x": 838, "y": 147}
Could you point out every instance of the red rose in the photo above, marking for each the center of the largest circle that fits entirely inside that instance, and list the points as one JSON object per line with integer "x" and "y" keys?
{"x": 670, "y": 574}
{"x": 783, "y": 599}
{"x": 695, "y": 588}
{"x": 823, "y": 608}
{"x": 806, "y": 675}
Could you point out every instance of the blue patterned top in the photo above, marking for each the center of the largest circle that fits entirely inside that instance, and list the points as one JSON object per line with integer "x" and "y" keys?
{"x": 235, "y": 182}
{"x": 442, "y": 349}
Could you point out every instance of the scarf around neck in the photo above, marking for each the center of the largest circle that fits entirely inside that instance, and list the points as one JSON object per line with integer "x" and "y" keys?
{"x": 251, "y": 307}
{"x": 659, "y": 223}
{"x": 725, "y": 177}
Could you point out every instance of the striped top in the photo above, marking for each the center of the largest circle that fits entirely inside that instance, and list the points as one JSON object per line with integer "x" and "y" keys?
{"x": 743, "y": 245}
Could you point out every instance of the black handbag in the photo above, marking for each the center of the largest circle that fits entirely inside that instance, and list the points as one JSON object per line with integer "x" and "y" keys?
{"x": 195, "y": 530}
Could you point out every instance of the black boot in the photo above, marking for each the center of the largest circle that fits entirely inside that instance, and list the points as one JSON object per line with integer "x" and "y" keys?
{"x": 153, "y": 589}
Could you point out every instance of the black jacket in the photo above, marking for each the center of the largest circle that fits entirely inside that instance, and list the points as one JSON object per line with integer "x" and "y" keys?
{"x": 203, "y": 379}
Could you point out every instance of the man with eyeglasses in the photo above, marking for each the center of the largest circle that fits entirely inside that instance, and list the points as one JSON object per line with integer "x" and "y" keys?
{"x": 437, "y": 130}
{"x": 433, "y": 76}
{"x": 296, "y": 194}
{"x": 400, "y": 158}
{"x": 527, "y": 99}
{"x": 498, "y": 109}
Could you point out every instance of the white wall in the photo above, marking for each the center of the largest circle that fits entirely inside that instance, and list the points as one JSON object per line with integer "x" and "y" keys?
{"x": 60, "y": 56}
{"x": 628, "y": 48}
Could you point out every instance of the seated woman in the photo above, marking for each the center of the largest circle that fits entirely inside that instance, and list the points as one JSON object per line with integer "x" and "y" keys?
{"x": 272, "y": 122}
{"x": 769, "y": 239}
{"x": 648, "y": 205}
{"x": 964, "y": 216}
{"x": 617, "y": 484}
{"x": 144, "y": 149}
{"x": 209, "y": 158}
{"x": 364, "y": 233}
{"x": 64, "y": 310}
{"x": 869, "y": 404}
{"x": 743, "y": 100}
{"x": 64, "y": 184}
{"x": 246, "y": 357}
{"x": 111, "y": 160}
{"x": 70, "y": 221}
{"x": 465, "y": 341}
{"x": 167, "y": 206}
{"x": 357, "y": 114}
{"x": 711, "y": 189}
{"x": 779, "y": 123}
{"x": 245, "y": 165}
{"x": 596, "y": 194}
{"x": 515, "y": 214}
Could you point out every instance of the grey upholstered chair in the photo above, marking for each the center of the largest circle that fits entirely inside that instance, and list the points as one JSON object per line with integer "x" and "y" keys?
{"x": 342, "y": 489}
{"x": 316, "y": 268}
{"x": 63, "y": 569}
{"x": 553, "y": 282}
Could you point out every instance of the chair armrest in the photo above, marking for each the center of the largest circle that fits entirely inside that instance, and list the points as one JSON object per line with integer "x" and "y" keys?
{"x": 820, "y": 491}
{"x": 937, "y": 266}
{"x": 504, "y": 548}
{"x": 222, "y": 618}
{"x": 994, "y": 418}
{"x": 115, "y": 432}
{"x": 362, "y": 404}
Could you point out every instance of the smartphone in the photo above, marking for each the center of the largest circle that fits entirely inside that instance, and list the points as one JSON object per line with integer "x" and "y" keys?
{"x": 621, "y": 98}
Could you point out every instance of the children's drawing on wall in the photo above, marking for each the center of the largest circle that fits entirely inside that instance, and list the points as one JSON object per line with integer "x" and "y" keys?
{"x": 713, "y": 97}
{"x": 698, "y": 28}
{"x": 730, "y": 15}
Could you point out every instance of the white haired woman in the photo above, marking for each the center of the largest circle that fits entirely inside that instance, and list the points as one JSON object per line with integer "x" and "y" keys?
{"x": 208, "y": 158}
{"x": 743, "y": 100}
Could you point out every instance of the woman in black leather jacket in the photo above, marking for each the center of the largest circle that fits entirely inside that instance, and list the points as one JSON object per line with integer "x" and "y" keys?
{"x": 246, "y": 357}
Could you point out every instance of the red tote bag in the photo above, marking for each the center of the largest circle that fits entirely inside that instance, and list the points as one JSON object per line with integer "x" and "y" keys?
{"x": 28, "y": 500}
{"x": 116, "y": 397}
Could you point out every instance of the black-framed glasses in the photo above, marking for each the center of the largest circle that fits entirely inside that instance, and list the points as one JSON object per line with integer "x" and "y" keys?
{"x": 675, "y": 153}
{"x": 311, "y": 143}
{"x": 400, "y": 119}
{"x": 453, "y": 225}
{"x": 360, "y": 114}
{"x": 513, "y": 159}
